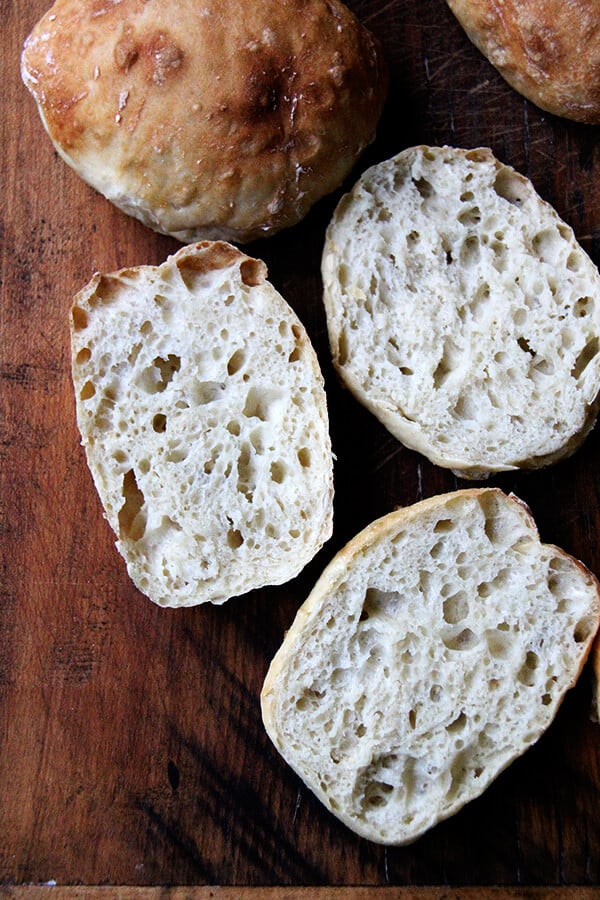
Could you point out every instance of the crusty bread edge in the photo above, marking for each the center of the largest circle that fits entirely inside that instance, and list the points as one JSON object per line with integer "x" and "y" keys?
{"x": 483, "y": 32}
{"x": 331, "y": 577}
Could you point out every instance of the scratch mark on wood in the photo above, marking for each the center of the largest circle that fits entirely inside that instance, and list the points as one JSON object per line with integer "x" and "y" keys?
{"x": 527, "y": 138}
{"x": 297, "y": 805}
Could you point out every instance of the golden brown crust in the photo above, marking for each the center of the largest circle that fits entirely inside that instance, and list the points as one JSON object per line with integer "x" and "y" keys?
{"x": 548, "y": 50}
{"x": 204, "y": 121}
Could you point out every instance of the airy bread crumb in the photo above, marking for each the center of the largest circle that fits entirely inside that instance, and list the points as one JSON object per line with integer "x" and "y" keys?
{"x": 203, "y": 415}
{"x": 435, "y": 648}
{"x": 463, "y": 313}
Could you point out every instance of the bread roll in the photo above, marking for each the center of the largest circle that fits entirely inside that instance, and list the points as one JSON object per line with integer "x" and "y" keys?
{"x": 207, "y": 118}
{"x": 203, "y": 415}
{"x": 463, "y": 313}
{"x": 548, "y": 50}
{"x": 435, "y": 648}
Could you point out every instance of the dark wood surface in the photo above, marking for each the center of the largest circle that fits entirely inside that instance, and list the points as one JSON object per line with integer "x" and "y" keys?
{"x": 132, "y": 750}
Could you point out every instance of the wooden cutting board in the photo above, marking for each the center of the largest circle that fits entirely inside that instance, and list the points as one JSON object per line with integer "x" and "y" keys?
{"x": 132, "y": 750}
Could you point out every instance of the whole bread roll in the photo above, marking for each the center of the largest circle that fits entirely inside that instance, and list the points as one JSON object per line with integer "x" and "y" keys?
{"x": 435, "y": 648}
{"x": 203, "y": 415}
{"x": 462, "y": 311}
{"x": 548, "y": 50}
{"x": 207, "y": 118}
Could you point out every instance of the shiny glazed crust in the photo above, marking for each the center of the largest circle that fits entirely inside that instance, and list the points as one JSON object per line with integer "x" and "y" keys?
{"x": 205, "y": 121}
{"x": 548, "y": 50}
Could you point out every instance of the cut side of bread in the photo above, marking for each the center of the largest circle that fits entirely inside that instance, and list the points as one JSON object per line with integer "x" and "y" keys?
{"x": 462, "y": 312}
{"x": 202, "y": 411}
{"x": 435, "y": 648}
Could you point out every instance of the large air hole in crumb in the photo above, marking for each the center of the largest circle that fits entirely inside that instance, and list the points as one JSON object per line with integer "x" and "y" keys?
{"x": 584, "y": 629}
{"x": 424, "y": 187}
{"x": 80, "y": 318}
{"x": 470, "y": 216}
{"x": 310, "y": 697}
{"x": 84, "y": 355}
{"x": 492, "y": 521}
{"x": 159, "y": 423}
{"x": 155, "y": 378}
{"x": 465, "y": 408}
{"x": 203, "y": 392}
{"x": 167, "y": 368}
{"x": 524, "y": 345}
{"x": 176, "y": 454}
{"x": 470, "y": 251}
{"x": 479, "y": 301}
{"x": 296, "y": 353}
{"x": 543, "y": 367}
{"x": 87, "y": 391}
{"x": 443, "y": 526}
{"x": 499, "y": 644}
{"x": 547, "y": 246}
{"x": 260, "y": 404}
{"x": 378, "y": 602}
{"x": 377, "y": 793}
{"x": 234, "y": 538}
{"x": 510, "y": 186}
{"x": 277, "y": 472}
{"x": 132, "y": 519}
{"x": 456, "y": 608}
{"x": 437, "y": 550}
{"x": 342, "y": 348}
{"x": 458, "y": 724}
{"x": 447, "y": 363}
{"x": 583, "y": 306}
{"x": 304, "y": 457}
{"x": 464, "y": 640}
{"x": 585, "y": 357}
{"x": 236, "y": 362}
{"x": 245, "y": 484}
{"x": 526, "y": 674}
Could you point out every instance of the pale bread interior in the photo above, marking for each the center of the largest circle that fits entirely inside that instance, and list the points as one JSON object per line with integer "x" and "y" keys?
{"x": 202, "y": 411}
{"x": 435, "y": 648}
{"x": 462, "y": 312}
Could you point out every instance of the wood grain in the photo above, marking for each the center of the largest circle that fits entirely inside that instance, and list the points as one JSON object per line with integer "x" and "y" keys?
{"x": 132, "y": 751}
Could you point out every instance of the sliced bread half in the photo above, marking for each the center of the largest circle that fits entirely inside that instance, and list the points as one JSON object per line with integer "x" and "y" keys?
{"x": 463, "y": 313}
{"x": 435, "y": 648}
{"x": 202, "y": 411}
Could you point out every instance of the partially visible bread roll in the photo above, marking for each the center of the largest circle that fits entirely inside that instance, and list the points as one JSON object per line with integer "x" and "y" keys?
{"x": 548, "y": 50}
{"x": 462, "y": 312}
{"x": 435, "y": 649}
{"x": 596, "y": 680}
{"x": 207, "y": 119}
{"x": 203, "y": 415}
